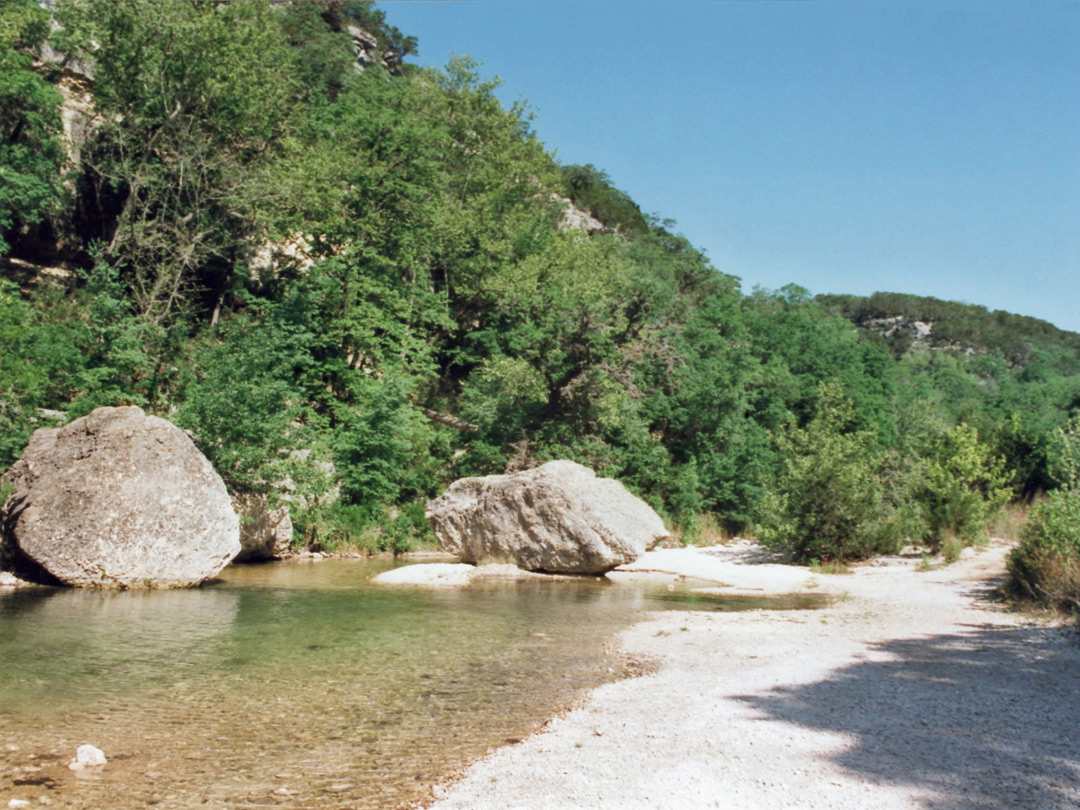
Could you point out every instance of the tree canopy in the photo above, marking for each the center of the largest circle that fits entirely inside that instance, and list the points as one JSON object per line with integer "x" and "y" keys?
{"x": 346, "y": 274}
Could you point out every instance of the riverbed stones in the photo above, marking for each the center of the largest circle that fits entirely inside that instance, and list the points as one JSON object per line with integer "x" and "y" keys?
{"x": 456, "y": 575}
{"x": 117, "y": 499}
{"x": 559, "y": 517}
{"x": 87, "y": 756}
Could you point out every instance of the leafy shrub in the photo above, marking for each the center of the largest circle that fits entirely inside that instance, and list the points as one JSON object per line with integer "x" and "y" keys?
{"x": 342, "y": 527}
{"x": 1045, "y": 567}
{"x": 831, "y": 501}
{"x": 965, "y": 487}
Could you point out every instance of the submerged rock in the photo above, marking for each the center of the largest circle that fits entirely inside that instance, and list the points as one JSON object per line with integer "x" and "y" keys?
{"x": 117, "y": 499}
{"x": 559, "y": 517}
{"x": 431, "y": 575}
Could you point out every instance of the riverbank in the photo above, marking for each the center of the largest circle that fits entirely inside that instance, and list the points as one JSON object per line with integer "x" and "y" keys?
{"x": 913, "y": 690}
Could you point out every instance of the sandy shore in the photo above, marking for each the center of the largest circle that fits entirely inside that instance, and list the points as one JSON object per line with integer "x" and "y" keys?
{"x": 913, "y": 690}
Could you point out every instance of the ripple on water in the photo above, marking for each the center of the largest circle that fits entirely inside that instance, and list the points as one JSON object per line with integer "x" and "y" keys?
{"x": 289, "y": 684}
{"x": 296, "y": 684}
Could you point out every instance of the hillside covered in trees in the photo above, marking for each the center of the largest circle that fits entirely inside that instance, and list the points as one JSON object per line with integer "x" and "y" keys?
{"x": 348, "y": 276}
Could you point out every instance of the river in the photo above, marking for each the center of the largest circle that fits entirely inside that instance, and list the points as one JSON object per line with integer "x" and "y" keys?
{"x": 292, "y": 684}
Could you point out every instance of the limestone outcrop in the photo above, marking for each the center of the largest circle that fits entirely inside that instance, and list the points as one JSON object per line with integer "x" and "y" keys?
{"x": 117, "y": 499}
{"x": 265, "y": 533}
{"x": 575, "y": 219}
{"x": 559, "y": 518}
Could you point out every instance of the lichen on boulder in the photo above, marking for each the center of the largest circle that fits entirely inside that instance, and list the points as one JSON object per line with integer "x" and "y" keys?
{"x": 117, "y": 499}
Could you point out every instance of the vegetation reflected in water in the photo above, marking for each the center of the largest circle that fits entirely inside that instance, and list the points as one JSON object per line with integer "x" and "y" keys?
{"x": 295, "y": 682}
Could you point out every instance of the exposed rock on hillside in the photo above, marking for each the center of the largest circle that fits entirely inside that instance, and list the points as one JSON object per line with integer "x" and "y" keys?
{"x": 908, "y": 332}
{"x": 559, "y": 517}
{"x": 117, "y": 499}
{"x": 575, "y": 219}
{"x": 367, "y": 50}
{"x": 888, "y": 327}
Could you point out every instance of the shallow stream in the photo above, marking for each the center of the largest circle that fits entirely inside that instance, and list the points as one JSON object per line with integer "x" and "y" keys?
{"x": 292, "y": 684}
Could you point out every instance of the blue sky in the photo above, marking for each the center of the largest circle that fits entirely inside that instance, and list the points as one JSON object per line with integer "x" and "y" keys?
{"x": 842, "y": 145}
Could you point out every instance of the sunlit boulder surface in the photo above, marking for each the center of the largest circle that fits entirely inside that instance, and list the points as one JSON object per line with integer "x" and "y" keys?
{"x": 117, "y": 499}
{"x": 559, "y": 517}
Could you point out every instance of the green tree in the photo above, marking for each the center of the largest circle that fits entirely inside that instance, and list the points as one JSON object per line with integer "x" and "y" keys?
{"x": 22, "y": 380}
{"x": 192, "y": 98}
{"x": 965, "y": 487}
{"x": 243, "y": 394}
{"x": 831, "y": 502}
{"x": 30, "y": 135}
{"x": 800, "y": 345}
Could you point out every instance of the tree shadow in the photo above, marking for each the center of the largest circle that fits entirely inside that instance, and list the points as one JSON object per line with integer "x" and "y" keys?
{"x": 988, "y": 717}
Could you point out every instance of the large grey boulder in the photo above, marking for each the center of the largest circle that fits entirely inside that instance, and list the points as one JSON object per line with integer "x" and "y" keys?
{"x": 559, "y": 517}
{"x": 117, "y": 499}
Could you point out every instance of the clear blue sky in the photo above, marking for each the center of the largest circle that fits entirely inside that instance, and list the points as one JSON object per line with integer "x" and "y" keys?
{"x": 843, "y": 145}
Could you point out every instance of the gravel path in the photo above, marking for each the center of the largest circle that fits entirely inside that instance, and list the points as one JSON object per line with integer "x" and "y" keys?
{"x": 913, "y": 690}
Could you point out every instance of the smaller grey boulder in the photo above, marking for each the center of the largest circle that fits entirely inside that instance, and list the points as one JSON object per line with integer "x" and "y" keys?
{"x": 559, "y": 518}
{"x": 9, "y": 580}
{"x": 265, "y": 533}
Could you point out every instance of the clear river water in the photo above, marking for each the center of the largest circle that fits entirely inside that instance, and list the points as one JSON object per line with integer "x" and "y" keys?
{"x": 292, "y": 684}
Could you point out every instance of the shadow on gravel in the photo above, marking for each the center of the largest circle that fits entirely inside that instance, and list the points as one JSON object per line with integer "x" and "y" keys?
{"x": 989, "y": 718}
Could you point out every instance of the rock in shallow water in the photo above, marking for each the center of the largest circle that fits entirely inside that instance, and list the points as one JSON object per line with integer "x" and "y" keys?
{"x": 9, "y": 580}
{"x": 87, "y": 756}
{"x": 117, "y": 499}
{"x": 559, "y": 517}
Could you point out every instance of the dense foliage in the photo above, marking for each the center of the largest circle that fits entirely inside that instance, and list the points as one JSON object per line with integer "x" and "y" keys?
{"x": 1046, "y": 566}
{"x": 30, "y": 149}
{"x": 347, "y": 277}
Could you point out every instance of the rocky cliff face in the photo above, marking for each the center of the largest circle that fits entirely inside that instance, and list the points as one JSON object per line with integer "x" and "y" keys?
{"x": 367, "y": 50}
{"x": 893, "y": 327}
{"x": 77, "y": 113}
{"x": 575, "y": 219}
{"x": 907, "y": 332}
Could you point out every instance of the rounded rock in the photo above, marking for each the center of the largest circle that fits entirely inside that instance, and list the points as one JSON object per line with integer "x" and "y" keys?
{"x": 558, "y": 518}
{"x": 87, "y": 756}
{"x": 117, "y": 499}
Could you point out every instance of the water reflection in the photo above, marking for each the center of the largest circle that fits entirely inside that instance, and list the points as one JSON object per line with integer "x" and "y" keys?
{"x": 295, "y": 683}
{"x": 91, "y": 644}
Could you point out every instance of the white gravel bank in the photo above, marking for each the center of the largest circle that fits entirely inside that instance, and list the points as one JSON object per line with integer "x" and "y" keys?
{"x": 914, "y": 691}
